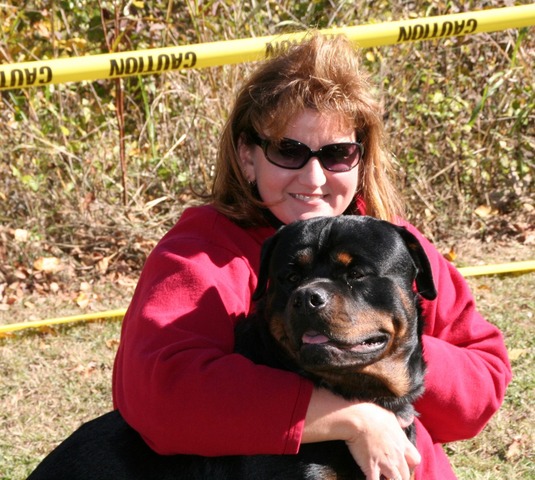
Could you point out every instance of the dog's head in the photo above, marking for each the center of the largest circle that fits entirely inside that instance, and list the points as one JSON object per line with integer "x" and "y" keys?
{"x": 337, "y": 293}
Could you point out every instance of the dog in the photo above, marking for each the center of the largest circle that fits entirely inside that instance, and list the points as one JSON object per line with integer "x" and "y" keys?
{"x": 336, "y": 303}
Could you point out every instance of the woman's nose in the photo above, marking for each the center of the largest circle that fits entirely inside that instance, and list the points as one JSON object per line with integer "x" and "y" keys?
{"x": 312, "y": 173}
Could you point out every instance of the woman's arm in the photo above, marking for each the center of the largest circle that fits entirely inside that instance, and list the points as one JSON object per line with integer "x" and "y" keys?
{"x": 176, "y": 378}
{"x": 468, "y": 368}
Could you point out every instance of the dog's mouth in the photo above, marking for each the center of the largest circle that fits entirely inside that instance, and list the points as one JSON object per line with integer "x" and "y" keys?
{"x": 371, "y": 343}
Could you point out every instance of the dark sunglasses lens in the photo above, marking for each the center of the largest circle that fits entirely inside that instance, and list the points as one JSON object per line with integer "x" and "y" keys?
{"x": 340, "y": 157}
{"x": 288, "y": 154}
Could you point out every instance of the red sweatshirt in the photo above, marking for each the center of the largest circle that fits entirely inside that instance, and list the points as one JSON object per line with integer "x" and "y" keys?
{"x": 177, "y": 381}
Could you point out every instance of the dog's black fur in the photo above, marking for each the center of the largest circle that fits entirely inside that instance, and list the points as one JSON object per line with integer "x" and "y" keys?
{"x": 336, "y": 305}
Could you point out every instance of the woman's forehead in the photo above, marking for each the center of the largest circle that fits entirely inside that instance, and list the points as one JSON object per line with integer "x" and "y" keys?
{"x": 334, "y": 122}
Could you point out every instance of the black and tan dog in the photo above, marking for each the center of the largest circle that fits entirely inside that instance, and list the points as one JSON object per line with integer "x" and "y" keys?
{"x": 336, "y": 303}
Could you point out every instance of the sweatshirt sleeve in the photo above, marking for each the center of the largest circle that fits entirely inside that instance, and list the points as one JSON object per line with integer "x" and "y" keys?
{"x": 467, "y": 364}
{"x": 176, "y": 378}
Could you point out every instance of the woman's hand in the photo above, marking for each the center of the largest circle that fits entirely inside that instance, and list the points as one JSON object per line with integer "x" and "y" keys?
{"x": 373, "y": 435}
{"x": 380, "y": 446}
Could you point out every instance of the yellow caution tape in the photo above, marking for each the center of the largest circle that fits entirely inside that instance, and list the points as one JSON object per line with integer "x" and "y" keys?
{"x": 153, "y": 61}
{"x": 8, "y": 330}
{"x": 514, "y": 267}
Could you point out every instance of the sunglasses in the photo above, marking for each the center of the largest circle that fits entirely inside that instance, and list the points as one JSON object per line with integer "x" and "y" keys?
{"x": 291, "y": 154}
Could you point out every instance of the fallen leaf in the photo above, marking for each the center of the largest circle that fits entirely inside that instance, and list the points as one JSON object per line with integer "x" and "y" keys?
{"x": 370, "y": 56}
{"x": 483, "y": 211}
{"x": 515, "y": 449}
{"x": 103, "y": 264}
{"x": 516, "y": 353}
{"x": 451, "y": 255}
{"x": 48, "y": 330}
{"x": 11, "y": 300}
{"x": 20, "y": 274}
{"x": 48, "y": 264}
{"x": 85, "y": 370}
{"x": 112, "y": 343}
{"x": 21, "y": 235}
{"x": 82, "y": 300}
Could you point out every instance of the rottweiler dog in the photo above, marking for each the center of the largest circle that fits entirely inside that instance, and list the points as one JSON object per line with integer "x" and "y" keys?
{"x": 337, "y": 302}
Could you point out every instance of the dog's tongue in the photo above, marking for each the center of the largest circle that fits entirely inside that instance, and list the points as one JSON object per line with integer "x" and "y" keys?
{"x": 314, "y": 337}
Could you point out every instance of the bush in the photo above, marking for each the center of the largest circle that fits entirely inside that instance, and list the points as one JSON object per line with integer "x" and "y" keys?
{"x": 457, "y": 111}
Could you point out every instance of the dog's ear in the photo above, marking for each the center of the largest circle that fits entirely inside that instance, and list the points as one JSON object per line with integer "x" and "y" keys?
{"x": 424, "y": 275}
{"x": 263, "y": 273}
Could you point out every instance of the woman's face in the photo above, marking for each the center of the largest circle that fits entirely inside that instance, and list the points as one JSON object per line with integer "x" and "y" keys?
{"x": 310, "y": 191}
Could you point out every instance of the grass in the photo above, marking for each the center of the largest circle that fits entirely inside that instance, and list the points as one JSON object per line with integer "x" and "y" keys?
{"x": 505, "y": 448}
{"x": 53, "y": 381}
{"x": 50, "y": 385}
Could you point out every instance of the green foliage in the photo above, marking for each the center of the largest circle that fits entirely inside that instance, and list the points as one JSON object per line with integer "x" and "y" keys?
{"x": 457, "y": 110}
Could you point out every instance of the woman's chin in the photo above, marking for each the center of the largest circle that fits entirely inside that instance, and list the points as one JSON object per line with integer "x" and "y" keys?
{"x": 307, "y": 215}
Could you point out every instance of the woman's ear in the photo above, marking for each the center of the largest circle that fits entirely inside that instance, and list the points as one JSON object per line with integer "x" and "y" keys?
{"x": 245, "y": 154}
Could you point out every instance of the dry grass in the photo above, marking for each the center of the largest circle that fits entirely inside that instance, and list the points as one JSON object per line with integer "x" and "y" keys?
{"x": 50, "y": 385}
{"x": 52, "y": 381}
{"x": 505, "y": 449}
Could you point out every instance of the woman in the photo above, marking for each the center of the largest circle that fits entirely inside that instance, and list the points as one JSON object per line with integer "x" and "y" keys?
{"x": 305, "y": 138}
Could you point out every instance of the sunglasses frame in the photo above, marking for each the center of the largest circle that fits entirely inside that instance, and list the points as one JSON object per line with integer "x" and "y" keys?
{"x": 264, "y": 144}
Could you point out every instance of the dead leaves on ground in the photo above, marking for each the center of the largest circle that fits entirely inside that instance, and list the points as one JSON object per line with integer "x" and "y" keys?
{"x": 498, "y": 225}
{"x": 31, "y": 268}
{"x": 496, "y": 230}
{"x": 518, "y": 447}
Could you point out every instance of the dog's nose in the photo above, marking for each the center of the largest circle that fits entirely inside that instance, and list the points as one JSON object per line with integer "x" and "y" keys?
{"x": 310, "y": 298}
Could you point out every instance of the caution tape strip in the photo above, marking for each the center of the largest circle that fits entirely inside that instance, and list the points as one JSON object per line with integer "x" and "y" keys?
{"x": 498, "y": 269}
{"x": 153, "y": 61}
{"x": 8, "y": 330}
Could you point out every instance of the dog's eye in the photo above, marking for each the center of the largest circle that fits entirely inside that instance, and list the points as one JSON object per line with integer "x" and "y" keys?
{"x": 293, "y": 277}
{"x": 356, "y": 275}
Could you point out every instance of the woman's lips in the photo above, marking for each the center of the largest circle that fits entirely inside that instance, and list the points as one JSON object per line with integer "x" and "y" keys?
{"x": 307, "y": 197}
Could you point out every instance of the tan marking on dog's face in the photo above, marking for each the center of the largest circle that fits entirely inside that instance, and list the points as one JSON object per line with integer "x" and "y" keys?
{"x": 392, "y": 368}
{"x": 345, "y": 258}
{"x": 278, "y": 331}
{"x": 404, "y": 329}
{"x": 345, "y": 321}
{"x": 406, "y": 301}
{"x": 305, "y": 257}
{"x": 392, "y": 371}
{"x": 367, "y": 320}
